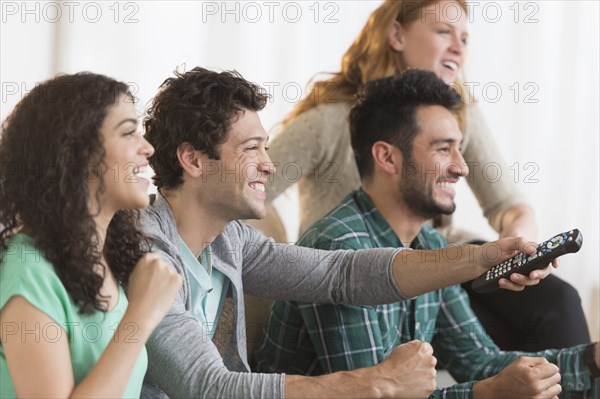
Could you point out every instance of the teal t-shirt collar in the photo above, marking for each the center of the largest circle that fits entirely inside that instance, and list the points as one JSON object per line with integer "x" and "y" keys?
{"x": 201, "y": 269}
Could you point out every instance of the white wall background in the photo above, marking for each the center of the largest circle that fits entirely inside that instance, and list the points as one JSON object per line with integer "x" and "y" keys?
{"x": 546, "y": 52}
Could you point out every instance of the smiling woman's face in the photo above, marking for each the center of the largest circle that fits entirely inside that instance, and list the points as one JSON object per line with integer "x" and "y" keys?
{"x": 436, "y": 41}
{"x": 126, "y": 159}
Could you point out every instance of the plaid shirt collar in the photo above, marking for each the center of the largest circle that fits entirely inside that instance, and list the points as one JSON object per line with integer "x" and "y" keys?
{"x": 379, "y": 228}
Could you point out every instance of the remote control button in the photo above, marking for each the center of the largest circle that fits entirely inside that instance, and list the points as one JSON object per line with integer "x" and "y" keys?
{"x": 555, "y": 242}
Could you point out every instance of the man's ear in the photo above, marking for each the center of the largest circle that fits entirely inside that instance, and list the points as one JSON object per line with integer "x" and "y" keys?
{"x": 396, "y": 37}
{"x": 386, "y": 157}
{"x": 189, "y": 159}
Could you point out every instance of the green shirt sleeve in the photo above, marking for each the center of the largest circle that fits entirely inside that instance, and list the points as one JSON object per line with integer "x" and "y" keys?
{"x": 25, "y": 272}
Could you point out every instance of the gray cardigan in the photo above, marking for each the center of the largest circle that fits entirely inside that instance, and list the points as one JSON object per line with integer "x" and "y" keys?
{"x": 183, "y": 362}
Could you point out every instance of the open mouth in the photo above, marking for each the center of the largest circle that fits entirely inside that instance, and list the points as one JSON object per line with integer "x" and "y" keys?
{"x": 257, "y": 186}
{"x": 144, "y": 173}
{"x": 446, "y": 185}
{"x": 451, "y": 65}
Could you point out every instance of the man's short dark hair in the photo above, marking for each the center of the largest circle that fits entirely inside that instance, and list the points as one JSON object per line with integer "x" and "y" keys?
{"x": 199, "y": 107}
{"x": 387, "y": 111}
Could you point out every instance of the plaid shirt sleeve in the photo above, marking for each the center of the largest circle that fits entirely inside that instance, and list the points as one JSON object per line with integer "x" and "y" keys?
{"x": 469, "y": 354}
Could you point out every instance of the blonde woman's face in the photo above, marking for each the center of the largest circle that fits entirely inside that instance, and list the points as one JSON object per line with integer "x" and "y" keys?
{"x": 437, "y": 41}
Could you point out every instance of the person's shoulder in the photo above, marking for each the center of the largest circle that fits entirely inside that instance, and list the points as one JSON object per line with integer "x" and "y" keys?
{"x": 338, "y": 229}
{"x": 157, "y": 220}
{"x": 26, "y": 271}
{"x": 159, "y": 226}
{"x": 335, "y": 112}
{"x": 153, "y": 213}
{"x": 239, "y": 238}
{"x": 327, "y": 113}
{"x": 22, "y": 256}
{"x": 239, "y": 231}
{"x": 333, "y": 107}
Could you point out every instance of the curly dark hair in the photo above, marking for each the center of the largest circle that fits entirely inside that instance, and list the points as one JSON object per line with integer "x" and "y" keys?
{"x": 47, "y": 145}
{"x": 198, "y": 107}
{"x": 387, "y": 111}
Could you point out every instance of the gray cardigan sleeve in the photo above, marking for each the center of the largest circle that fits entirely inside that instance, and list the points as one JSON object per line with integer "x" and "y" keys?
{"x": 489, "y": 176}
{"x": 290, "y": 272}
{"x": 301, "y": 144}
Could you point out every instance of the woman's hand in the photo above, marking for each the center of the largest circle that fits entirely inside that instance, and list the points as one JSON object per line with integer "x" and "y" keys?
{"x": 153, "y": 285}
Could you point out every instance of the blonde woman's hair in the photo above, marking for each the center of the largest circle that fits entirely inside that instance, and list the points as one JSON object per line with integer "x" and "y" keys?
{"x": 370, "y": 57}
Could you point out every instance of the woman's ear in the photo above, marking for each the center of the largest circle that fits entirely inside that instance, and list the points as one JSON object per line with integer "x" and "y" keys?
{"x": 396, "y": 37}
{"x": 189, "y": 160}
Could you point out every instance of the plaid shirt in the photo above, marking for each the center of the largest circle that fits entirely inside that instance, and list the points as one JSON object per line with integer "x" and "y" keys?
{"x": 315, "y": 339}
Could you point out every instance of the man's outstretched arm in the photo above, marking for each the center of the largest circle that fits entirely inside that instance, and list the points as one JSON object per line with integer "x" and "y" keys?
{"x": 367, "y": 276}
{"x": 418, "y": 272}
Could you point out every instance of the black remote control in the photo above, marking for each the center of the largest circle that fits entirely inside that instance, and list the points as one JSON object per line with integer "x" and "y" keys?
{"x": 564, "y": 243}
